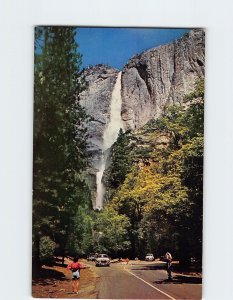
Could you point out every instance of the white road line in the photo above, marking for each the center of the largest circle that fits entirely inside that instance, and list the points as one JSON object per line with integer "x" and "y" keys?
{"x": 170, "y": 297}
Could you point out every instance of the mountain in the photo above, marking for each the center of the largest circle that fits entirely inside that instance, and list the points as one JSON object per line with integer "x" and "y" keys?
{"x": 161, "y": 76}
{"x": 97, "y": 99}
{"x": 150, "y": 82}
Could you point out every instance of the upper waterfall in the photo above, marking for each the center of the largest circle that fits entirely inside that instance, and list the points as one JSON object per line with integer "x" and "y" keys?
{"x": 115, "y": 121}
{"x": 109, "y": 137}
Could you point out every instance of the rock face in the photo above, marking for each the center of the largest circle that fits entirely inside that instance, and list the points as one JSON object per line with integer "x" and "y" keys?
{"x": 150, "y": 82}
{"x": 161, "y": 76}
{"x": 96, "y": 100}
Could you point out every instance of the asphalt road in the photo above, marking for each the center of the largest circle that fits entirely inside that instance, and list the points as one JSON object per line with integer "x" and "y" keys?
{"x": 144, "y": 281}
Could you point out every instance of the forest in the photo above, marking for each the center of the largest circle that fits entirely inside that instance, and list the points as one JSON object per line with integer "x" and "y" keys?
{"x": 154, "y": 180}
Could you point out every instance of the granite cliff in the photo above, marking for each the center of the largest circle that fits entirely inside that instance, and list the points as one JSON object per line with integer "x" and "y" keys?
{"x": 161, "y": 76}
{"x": 150, "y": 82}
{"x": 97, "y": 99}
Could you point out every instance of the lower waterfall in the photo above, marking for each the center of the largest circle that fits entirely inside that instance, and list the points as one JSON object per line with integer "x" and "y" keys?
{"x": 109, "y": 137}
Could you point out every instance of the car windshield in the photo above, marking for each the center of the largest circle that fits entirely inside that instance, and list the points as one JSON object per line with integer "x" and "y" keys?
{"x": 103, "y": 255}
{"x": 149, "y": 254}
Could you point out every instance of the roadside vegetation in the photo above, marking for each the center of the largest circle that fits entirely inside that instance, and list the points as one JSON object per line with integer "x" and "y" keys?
{"x": 161, "y": 187}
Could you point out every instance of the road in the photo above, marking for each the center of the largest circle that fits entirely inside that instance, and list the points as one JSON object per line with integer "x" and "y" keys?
{"x": 144, "y": 281}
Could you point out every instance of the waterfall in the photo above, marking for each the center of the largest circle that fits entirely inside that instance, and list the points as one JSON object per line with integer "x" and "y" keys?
{"x": 109, "y": 137}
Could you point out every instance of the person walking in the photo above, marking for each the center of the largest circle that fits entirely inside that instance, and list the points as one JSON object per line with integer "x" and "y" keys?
{"x": 75, "y": 267}
{"x": 168, "y": 259}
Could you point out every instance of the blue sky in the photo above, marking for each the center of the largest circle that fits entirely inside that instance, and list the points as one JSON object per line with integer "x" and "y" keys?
{"x": 115, "y": 46}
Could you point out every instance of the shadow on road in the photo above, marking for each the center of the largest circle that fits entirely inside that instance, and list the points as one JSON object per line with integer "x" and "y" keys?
{"x": 151, "y": 267}
{"x": 179, "y": 279}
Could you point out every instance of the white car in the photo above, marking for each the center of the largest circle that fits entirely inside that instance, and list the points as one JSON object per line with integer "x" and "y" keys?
{"x": 102, "y": 260}
{"x": 149, "y": 257}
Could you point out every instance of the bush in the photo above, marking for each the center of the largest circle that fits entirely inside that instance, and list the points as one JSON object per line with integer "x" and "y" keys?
{"x": 47, "y": 248}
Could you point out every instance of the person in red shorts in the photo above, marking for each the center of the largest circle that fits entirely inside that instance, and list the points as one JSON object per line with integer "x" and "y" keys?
{"x": 75, "y": 267}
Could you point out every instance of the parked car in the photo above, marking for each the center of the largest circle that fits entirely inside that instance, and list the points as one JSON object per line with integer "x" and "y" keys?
{"x": 149, "y": 257}
{"x": 102, "y": 260}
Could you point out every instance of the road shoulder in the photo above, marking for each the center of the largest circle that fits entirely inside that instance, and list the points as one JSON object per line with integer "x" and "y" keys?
{"x": 55, "y": 282}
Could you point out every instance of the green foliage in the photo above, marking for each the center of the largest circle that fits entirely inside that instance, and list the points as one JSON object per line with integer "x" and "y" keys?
{"x": 199, "y": 92}
{"x": 47, "y": 248}
{"x": 110, "y": 232}
{"x": 80, "y": 237}
{"x": 59, "y": 154}
{"x": 120, "y": 160}
{"x": 162, "y": 196}
{"x": 119, "y": 164}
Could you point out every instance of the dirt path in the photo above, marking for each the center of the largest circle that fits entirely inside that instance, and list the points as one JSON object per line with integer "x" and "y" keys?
{"x": 55, "y": 282}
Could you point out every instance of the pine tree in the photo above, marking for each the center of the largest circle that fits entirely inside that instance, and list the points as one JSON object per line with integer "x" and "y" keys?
{"x": 59, "y": 135}
{"x": 119, "y": 164}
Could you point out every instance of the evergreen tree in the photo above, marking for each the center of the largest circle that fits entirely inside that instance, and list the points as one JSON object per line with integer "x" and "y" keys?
{"x": 120, "y": 162}
{"x": 59, "y": 153}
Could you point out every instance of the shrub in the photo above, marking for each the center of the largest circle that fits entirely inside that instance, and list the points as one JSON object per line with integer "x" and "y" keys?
{"x": 47, "y": 247}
